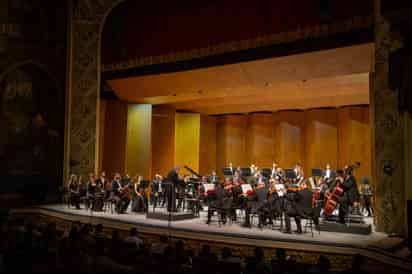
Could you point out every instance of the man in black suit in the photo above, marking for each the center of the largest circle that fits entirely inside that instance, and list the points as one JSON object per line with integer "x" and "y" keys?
{"x": 350, "y": 195}
{"x": 300, "y": 205}
{"x": 218, "y": 202}
{"x": 173, "y": 180}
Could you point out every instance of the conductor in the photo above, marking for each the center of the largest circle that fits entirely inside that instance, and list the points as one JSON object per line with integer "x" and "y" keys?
{"x": 172, "y": 180}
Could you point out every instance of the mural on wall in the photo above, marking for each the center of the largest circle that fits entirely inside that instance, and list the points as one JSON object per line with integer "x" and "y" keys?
{"x": 32, "y": 123}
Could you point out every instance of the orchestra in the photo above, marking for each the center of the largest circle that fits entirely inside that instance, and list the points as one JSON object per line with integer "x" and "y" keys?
{"x": 268, "y": 193}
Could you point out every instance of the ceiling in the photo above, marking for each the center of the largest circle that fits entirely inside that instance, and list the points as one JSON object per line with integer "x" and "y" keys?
{"x": 318, "y": 79}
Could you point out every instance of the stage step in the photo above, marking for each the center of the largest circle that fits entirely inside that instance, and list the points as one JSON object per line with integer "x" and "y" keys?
{"x": 352, "y": 228}
{"x": 162, "y": 214}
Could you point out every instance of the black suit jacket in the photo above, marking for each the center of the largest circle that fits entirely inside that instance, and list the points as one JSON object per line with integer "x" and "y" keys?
{"x": 351, "y": 189}
{"x": 303, "y": 202}
{"x": 173, "y": 177}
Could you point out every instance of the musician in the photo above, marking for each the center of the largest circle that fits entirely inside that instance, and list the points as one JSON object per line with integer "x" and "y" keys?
{"x": 138, "y": 204}
{"x": 253, "y": 169}
{"x": 174, "y": 181}
{"x": 125, "y": 198}
{"x": 278, "y": 177}
{"x": 91, "y": 191}
{"x": 74, "y": 194}
{"x": 116, "y": 186}
{"x": 180, "y": 190}
{"x": 213, "y": 178}
{"x": 157, "y": 190}
{"x": 218, "y": 202}
{"x": 350, "y": 194}
{"x": 232, "y": 169}
{"x": 102, "y": 180}
{"x": 366, "y": 191}
{"x": 274, "y": 170}
{"x": 258, "y": 203}
{"x": 328, "y": 172}
{"x": 126, "y": 180}
{"x": 300, "y": 177}
{"x": 300, "y": 205}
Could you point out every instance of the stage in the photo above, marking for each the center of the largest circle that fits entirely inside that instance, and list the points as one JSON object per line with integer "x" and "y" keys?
{"x": 376, "y": 246}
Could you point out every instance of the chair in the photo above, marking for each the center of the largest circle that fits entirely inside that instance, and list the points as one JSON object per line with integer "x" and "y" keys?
{"x": 224, "y": 209}
{"x": 309, "y": 220}
{"x": 66, "y": 196}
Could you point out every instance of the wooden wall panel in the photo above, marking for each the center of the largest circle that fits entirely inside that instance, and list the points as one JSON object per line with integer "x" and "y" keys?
{"x": 289, "y": 138}
{"x": 231, "y": 141}
{"x": 321, "y": 139}
{"x": 138, "y": 140}
{"x": 355, "y": 139}
{"x": 163, "y": 140}
{"x": 115, "y": 137}
{"x": 207, "y": 157}
{"x": 260, "y": 142}
{"x": 187, "y": 137}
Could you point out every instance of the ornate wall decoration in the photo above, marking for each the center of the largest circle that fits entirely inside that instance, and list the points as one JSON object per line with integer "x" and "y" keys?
{"x": 86, "y": 25}
{"x": 388, "y": 138}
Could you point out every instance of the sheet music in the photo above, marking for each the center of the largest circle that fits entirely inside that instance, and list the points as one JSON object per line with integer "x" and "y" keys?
{"x": 209, "y": 187}
{"x": 280, "y": 189}
{"x": 246, "y": 188}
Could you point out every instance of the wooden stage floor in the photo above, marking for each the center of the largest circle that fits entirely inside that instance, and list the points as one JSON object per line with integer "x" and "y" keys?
{"x": 377, "y": 246}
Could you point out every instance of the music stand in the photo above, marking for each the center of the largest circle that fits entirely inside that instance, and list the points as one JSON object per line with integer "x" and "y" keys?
{"x": 266, "y": 172}
{"x": 245, "y": 172}
{"x": 290, "y": 174}
{"x": 227, "y": 172}
{"x": 317, "y": 172}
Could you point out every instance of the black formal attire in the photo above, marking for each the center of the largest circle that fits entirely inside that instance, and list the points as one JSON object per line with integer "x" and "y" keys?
{"x": 74, "y": 195}
{"x": 220, "y": 201}
{"x": 350, "y": 195}
{"x": 173, "y": 181}
{"x": 367, "y": 195}
{"x": 157, "y": 192}
{"x": 299, "y": 205}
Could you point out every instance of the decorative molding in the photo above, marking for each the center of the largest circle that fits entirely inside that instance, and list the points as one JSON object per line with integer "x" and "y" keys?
{"x": 317, "y": 31}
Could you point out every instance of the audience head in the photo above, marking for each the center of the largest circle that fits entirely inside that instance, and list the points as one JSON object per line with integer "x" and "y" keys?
{"x": 280, "y": 254}
{"x": 259, "y": 253}
{"x": 205, "y": 249}
{"x": 163, "y": 239}
{"x": 133, "y": 232}
{"x": 99, "y": 228}
{"x": 226, "y": 252}
{"x": 323, "y": 264}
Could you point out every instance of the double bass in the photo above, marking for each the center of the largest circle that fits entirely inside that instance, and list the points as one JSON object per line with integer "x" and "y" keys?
{"x": 336, "y": 194}
{"x": 333, "y": 198}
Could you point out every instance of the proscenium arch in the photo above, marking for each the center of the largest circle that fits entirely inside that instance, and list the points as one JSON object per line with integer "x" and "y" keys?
{"x": 84, "y": 68}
